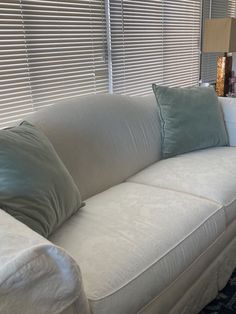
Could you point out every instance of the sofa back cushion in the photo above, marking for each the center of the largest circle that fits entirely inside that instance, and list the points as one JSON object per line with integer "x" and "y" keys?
{"x": 102, "y": 139}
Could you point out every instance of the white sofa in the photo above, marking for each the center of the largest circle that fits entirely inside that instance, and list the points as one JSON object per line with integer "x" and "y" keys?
{"x": 155, "y": 237}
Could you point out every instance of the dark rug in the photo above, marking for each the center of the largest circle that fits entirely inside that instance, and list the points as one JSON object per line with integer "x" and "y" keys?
{"x": 225, "y": 302}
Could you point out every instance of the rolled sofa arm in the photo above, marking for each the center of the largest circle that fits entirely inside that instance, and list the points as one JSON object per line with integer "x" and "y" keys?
{"x": 229, "y": 110}
{"x": 35, "y": 275}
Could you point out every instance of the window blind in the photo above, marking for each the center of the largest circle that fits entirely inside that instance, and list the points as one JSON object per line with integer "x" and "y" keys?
{"x": 66, "y": 48}
{"x": 50, "y": 50}
{"x": 14, "y": 72}
{"x": 53, "y": 50}
{"x": 231, "y": 8}
{"x": 214, "y": 9}
{"x": 137, "y": 46}
{"x": 181, "y": 43}
{"x": 156, "y": 42}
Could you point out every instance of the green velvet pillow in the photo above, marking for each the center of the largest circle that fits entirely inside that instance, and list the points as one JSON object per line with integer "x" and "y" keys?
{"x": 191, "y": 119}
{"x": 35, "y": 186}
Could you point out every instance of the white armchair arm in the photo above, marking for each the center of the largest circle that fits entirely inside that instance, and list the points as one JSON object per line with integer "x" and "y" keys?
{"x": 35, "y": 275}
{"x": 229, "y": 110}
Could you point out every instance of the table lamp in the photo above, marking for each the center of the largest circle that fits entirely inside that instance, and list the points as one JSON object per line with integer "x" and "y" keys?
{"x": 220, "y": 36}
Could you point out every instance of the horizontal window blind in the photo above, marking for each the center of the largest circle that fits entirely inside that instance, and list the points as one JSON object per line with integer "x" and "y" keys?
{"x": 50, "y": 50}
{"x": 53, "y": 50}
{"x": 181, "y": 43}
{"x": 214, "y": 9}
{"x": 137, "y": 45}
{"x": 154, "y": 42}
{"x": 14, "y": 73}
{"x": 231, "y": 8}
{"x": 208, "y": 60}
{"x": 66, "y": 44}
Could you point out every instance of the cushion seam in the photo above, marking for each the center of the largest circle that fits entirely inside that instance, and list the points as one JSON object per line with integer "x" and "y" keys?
{"x": 187, "y": 193}
{"x": 177, "y": 191}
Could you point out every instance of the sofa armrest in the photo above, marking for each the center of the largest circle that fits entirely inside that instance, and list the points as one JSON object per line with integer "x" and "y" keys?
{"x": 229, "y": 110}
{"x": 35, "y": 275}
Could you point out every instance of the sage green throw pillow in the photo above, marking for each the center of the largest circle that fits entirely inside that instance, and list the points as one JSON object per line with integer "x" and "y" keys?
{"x": 191, "y": 119}
{"x": 35, "y": 186}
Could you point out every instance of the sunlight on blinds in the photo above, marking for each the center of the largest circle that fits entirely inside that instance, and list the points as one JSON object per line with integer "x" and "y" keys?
{"x": 66, "y": 44}
{"x": 156, "y": 42}
{"x": 53, "y": 50}
{"x": 50, "y": 50}
{"x": 14, "y": 73}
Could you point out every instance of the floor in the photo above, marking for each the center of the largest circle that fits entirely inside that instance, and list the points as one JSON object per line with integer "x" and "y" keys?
{"x": 225, "y": 302}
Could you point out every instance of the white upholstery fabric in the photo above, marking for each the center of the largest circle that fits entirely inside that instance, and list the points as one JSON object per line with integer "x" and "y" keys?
{"x": 229, "y": 109}
{"x": 198, "y": 284}
{"x": 102, "y": 139}
{"x": 201, "y": 281}
{"x": 228, "y": 106}
{"x": 72, "y": 309}
{"x": 35, "y": 275}
{"x": 206, "y": 288}
{"x": 123, "y": 241}
{"x": 209, "y": 173}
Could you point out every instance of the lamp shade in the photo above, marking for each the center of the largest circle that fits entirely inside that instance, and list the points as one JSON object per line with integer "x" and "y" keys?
{"x": 220, "y": 35}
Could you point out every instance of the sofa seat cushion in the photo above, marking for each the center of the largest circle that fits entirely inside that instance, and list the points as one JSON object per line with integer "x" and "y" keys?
{"x": 133, "y": 240}
{"x": 208, "y": 173}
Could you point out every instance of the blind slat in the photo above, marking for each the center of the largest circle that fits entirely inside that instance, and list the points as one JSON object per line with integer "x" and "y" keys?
{"x": 154, "y": 42}
{"x": 14, "y": 99}
{"x": 87, "y": 42}
{"x": 53, "y": 50}
{"x": 50, "y": 50}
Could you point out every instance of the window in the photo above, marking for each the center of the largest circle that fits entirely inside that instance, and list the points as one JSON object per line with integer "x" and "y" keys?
{"x": 14, "y": 78}
{"x": 181, "y": 42}
{"x": 231, "y": 8}
{"x": 52, "y": 50}
{"x": 154, "y": 41}
{"x": 214, "y": 9}
{"x": 66, "y": 46}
